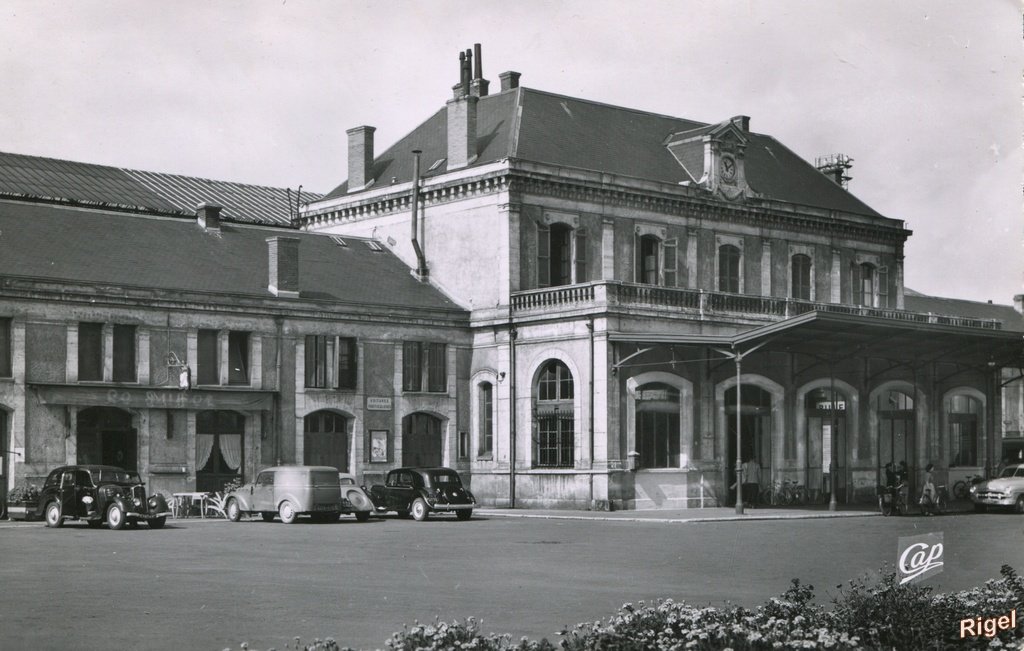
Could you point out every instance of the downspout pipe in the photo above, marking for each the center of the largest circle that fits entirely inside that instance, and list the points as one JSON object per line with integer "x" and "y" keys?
{"x": 512, "y": 334}
{"x": 421, "y": 262}
{"x": 590, "y": 329}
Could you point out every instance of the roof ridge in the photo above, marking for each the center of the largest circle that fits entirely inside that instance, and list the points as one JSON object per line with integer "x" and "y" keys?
{"x": 618, "y": 107}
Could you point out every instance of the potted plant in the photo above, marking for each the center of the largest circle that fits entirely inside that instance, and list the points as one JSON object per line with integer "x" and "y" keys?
{"x": 21, "y": 502}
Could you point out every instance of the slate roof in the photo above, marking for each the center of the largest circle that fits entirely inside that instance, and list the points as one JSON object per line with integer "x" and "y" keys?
{"x": 114, "y": 187}
{"x": 1011, "y": 318}
{"x": 544, "y": 127}
{"x": 63, "y": 243}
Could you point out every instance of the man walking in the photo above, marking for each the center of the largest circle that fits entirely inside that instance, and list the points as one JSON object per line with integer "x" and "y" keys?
{"x": 751, "y": 481}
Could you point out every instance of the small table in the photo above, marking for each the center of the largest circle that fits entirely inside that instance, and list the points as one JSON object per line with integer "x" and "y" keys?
{"x": 183, "y": 502}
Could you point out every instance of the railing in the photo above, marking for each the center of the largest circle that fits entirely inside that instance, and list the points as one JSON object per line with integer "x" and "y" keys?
{"x": 609, "y": 293}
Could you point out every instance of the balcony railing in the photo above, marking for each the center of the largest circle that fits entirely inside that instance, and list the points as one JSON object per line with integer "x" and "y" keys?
{"x": 703, "y": 304}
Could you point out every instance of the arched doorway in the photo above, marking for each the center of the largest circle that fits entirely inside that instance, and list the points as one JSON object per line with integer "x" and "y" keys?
{"x": 219, "y": 449}
{"x": 657, "y": 426}
{"x": 105, "y": 436}
{"x": 755, "y": 431}
{"x": 826, "y": 443}
{"x": 895, "y": 430}
{"x": 326, "y": 440}
{"x": 422, "y": 445}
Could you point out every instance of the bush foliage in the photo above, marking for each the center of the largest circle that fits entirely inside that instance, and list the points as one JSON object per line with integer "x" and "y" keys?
{"x": 877, "y": 615}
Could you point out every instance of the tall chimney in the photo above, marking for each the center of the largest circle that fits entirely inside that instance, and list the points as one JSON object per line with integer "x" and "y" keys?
{"x": 1018, "y": 303}
{"x": 462, "y": 119}
{"x": 478, "y": 86}
{"x": 208, "y": 216}
{"x": 283, "y": 266}
{"x": 509, "y": 80}
{"x": 360, "y": 157}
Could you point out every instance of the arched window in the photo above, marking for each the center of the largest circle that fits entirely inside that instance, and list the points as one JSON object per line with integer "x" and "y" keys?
{"x": 561, "y": 255}
{"x": 485, "y": 413}
{"x": 963, "y": 416}
{"x": 554, "y": 419}
{"x": 326, "y": 440}
{"x": 729, "y": 269}
{"x": 801, "y": 277}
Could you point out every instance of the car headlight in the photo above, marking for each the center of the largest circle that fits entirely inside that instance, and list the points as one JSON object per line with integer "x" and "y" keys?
{"x": 974, "y": 488}
{"x": 137, "y": 502}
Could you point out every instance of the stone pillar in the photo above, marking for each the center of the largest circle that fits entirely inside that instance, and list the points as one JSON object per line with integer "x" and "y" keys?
{"x": 607, "y": 249}
{"x": 142, "y": 356}
{"x": 691, "y": 257}
{"x": 835, "y": 295}
{"x": 899, "y": 283}
{"x": 107, "y": 353}
{"x": 766, "y": 267}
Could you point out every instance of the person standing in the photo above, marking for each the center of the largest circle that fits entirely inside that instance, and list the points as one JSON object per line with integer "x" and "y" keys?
{"x": 751, "y": 481}
{"x": 928, "y": 492}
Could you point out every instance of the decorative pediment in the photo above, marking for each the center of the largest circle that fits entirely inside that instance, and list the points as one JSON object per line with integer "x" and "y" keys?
{"x": 715, "y": 157}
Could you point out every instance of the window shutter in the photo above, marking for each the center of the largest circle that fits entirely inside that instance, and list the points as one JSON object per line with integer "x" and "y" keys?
{"x": 543, "y": 256}
{"x": 856, "y": 291}
{"x": 581, "y": 255}
{"x": 668, "y": 265}
{"x": 411, "y": 369}
{"x": 883, "y": 287}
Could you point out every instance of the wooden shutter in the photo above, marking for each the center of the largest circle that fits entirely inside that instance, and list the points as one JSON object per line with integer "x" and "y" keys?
{"x": 668, "y": 264}
{"x": 412, "y": 370}
{"x": 581, "y": 255}
{"x": 856, "y": 291}
{"x": 543, "y": 256}
{"x": 883, "y": 287}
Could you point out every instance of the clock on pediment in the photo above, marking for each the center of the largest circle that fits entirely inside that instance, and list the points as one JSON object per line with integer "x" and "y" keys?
{"x": 727, "y": 167}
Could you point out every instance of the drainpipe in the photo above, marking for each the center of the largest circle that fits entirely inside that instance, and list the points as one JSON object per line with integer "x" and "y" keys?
{"x": 832, "y": 453}
{"x": 590, "y": 328}
{"x": 421, "y": 263}
{"x": 512, "y": 334}
{"x": 275, "y": 413}
{"x": 739, "y": 454}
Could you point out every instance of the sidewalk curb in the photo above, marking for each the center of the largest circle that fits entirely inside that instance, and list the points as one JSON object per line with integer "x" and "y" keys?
{"x": 729, "y": 518}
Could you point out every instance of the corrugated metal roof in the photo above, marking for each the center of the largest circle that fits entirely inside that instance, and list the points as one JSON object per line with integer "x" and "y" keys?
{"x": 165, "y": 253}
{"x": 1011, "y": 318}
{"x": 84, "y": 183}
{"x": 558, "y": 130}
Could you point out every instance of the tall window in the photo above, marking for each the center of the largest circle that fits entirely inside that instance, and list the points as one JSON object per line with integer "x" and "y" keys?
{"x": 238, "y": 358}
{"x": 963, "y": 416}
{"x": 208, "y": 362}
{"x": 424, "y": 364}
{"x": 554, "y": 424}
{"x": 348, "y": 361}
{"x": 486, "y": 416}
{"x": 90, "y": 352}
{"x": 729, "y": 269}
{"x": 649, "y": 245}
{"x": 867, "y": 285}
{"x": 883, "y": 287}
{"x": 124, "y": 353}
{"x": 801, "y": 277}
{"x": 561, "y": 255}
{"x": 316, "y": 361}
{"x": 5, "y": 349}
{"x": 657, "y": 426}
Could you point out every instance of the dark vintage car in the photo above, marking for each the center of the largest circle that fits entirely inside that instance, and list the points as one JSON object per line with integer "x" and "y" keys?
{"x": 422, "y": 491}
{"x": 98, "y": 494}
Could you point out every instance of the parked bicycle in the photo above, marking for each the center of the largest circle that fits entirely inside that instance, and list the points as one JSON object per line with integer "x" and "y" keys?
{"x": 892, "y": 500}
{"x": 783, "y": 493}
{"x": 962, "y": 488}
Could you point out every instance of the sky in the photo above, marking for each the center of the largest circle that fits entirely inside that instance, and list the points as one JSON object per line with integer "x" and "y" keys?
{"x": 924, "y": 96}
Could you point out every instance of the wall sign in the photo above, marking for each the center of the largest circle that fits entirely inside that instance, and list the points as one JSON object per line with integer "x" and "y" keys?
{"x": 378, "y": 403}
{"x": 378, "y": 446}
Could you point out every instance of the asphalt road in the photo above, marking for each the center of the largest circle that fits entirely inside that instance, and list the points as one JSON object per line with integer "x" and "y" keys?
{"x": 212, "y": 584}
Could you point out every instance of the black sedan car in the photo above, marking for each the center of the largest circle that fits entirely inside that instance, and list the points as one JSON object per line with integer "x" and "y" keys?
{"x": 98, "y": 494}
{"x": 422, "y": 491}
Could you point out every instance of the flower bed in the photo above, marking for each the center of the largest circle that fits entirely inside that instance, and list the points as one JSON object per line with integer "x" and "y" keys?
{"x": 21, "y": 502}
{"x": 882, "y": 615}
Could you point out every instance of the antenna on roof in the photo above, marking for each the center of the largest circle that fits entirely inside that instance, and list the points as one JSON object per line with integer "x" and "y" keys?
{"x": 835, "y": 166}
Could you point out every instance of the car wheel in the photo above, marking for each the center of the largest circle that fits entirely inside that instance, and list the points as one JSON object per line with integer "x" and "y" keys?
{"x": 115, "y": 518}
{"x": 362, "y": 516}
{"x": 233, "y": 513}
{"x": 979, "y": 508}
{"x": 1019, "y": 506}
{"x": 268, "y": 516}
{"x": 287, "y": 512}
{"x": 53, "y": 517}
{"x": 464, "y": 514}
{"x": 420, "y": 512}
{"x": 157, "y": 523}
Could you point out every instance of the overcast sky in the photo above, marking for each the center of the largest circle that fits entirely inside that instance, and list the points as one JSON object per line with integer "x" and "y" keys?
{"x": 924, "y": 96}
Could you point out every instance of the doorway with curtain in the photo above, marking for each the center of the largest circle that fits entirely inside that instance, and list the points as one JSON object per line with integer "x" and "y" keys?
{"x": 219, "y": 449}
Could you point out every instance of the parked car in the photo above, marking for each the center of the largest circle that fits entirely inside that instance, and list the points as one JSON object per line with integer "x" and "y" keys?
{"x": 422, "y": 491}
{"x": 354, "y": 499}
{"x": 1005, "y": 490}
{"x": 288, "y": 492}
{"x": 98, "y": 494}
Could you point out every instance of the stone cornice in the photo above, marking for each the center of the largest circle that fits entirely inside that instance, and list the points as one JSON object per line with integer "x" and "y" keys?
{"x": 700, "y": 208}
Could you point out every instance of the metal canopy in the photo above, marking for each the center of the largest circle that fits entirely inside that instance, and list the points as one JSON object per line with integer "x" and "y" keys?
{"x": 834, "y": 336}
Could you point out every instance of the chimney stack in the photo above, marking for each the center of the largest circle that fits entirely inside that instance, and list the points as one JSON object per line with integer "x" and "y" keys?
{"x": 208, "y": 216}
{"x": 509, "y": 80}
{"x": 283, "y": 266}
{"x": 478, "y": 86}
{"x": 1018, "y": 303}
{"x": 742, "y": 122}
{"x": 462, "y": 118}
{"x": 360, "y": 157}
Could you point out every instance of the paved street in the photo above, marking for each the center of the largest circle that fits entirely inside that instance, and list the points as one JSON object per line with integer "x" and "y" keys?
{"x": 212, "y": 584}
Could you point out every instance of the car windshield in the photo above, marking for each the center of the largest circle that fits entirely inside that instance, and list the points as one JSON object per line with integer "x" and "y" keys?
{"x": 445, "y": 479}
{"x": 118, "y": 476}
{"x": 1009, "y": 472}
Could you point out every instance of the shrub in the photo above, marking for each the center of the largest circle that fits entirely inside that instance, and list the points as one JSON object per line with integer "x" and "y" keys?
{"x": 23, "y": 493}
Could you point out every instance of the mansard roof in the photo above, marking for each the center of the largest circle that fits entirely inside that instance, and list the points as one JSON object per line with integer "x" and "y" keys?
{"x": 41, "y": 241}
{"x": 543, "y": 127}
{"x": 34, "y": 177}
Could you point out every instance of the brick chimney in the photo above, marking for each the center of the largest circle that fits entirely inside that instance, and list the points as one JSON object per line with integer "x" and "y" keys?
{"x": 478, "y": 86}
{"x": 1018, "y": 303}
{"x": 509, "y": 80}
{"x": 462, "y": 118}
{"x": 360, "y": 157}
{"x": 208, "y": 217}
{"x": 283, "y": 266}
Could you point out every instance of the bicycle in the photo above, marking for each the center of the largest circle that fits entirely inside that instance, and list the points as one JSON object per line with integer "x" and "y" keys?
{"x": 962, "y": 488}
{"x": 892, "y": 500}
